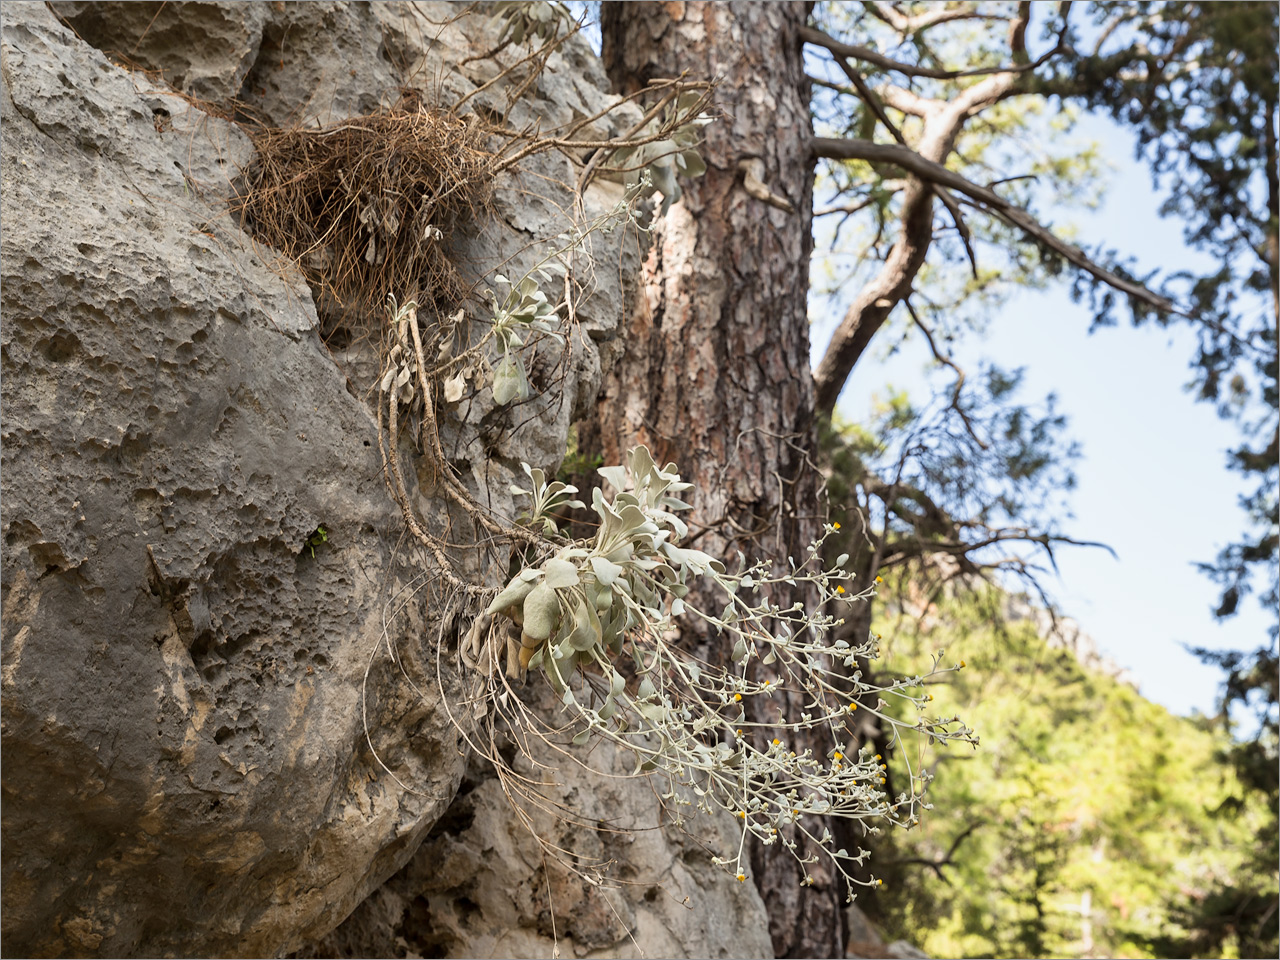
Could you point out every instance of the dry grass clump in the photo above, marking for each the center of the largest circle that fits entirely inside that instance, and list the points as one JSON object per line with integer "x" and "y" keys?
{"x": 367, "y": 207}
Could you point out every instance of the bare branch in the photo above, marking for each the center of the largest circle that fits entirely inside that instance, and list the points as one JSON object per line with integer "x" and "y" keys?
{"x": 910, "y": 24}
{"x": 945, "y": 360}
{"x": 901, "y": 551}
{"x": 877, "y": 299}
{"x": 992, "y": 203}
{"x": 868, "y": 96}
{"x": 845, "y": 208}
{"x": 946, "y": 860}
{"x": 838, "y": 87}
{"x": 962, "y": 228}
{"x": 867, "y": 55}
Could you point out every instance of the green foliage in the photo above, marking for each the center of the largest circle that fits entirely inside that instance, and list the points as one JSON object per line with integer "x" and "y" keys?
{"x": 1240, "y": 910}
{"x": 1087, "y": 811}
{"x": 1198, "y": 83}
{"x": 578, "y": 462}
{"x": 318, "y": 536}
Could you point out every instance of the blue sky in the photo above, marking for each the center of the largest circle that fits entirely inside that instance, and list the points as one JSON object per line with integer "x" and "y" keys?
{"x": 1153, "y": 482}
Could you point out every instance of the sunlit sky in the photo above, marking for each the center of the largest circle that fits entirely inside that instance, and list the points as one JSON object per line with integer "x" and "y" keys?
{"x": 1153, "y": 482}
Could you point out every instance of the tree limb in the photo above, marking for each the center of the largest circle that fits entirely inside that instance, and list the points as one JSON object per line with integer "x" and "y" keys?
{"x": 945, "y": 861}
{"x": 845, "y": 208}
{"x": 867, "y": 55}
{"x": 993, "y": 203}
{"x": 877, "y": 298}
{"x": 899, "y": 551}
{"x": 946, "y": 360}
{"x": 910, "y": 24}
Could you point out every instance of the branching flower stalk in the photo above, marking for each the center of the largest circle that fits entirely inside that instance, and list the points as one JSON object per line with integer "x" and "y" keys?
{"x": 597, "y": 618}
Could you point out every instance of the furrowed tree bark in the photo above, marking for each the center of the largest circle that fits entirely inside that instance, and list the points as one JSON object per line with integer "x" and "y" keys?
{"x": 716, "y": 375}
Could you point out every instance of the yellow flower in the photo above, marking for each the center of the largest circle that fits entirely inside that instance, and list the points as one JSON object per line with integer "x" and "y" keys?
{"x": 742, "y": 814}
{"x": 839, "y": 755}
{"x": 853, "y": 707}
{"x": 879, "y": 579}
{"x": 879, "y": 883}
{"x": 836, "y": 525}
{"x": 742, "y": 877}
{"x": 839, "y": 589}
{"x": 776, "y": 741}
{"x": 737, "y": 697}
{"x": 962, "y": 663}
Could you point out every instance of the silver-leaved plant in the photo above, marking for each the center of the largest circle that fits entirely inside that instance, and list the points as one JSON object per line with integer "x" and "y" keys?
{"x": 597, "y": 618}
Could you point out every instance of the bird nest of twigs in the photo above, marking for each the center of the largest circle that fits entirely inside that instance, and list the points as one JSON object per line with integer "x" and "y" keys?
{"x": 367, "y": 207}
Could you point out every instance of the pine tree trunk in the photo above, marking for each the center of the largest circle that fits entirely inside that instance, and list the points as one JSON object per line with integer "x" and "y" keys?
{"x": 716, "y": 373}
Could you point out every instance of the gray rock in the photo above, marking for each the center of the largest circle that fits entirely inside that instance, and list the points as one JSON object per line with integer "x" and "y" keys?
{"x": 481, "y": 885}
{"x": 208, "y": 746}
{"x": 186, "y": 768}
{"x": 160, "y": 37}
{"x": 865, "y": 939}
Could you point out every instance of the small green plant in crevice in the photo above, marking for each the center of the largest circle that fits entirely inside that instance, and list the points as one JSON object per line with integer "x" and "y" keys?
{"x": 578, "y": 462}
{"x": 596, "y": 618}
{"x": 524, "y": 308}
{"x": 318, "y": 536}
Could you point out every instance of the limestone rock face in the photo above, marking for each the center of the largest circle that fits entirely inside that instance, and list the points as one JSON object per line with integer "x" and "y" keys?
{"x": 222, "y": 730}
{"x": 160, "y": 36}
{"x": 481, "y": 886}
{"x": 192, "y": 679}
{"x": 185, "y": 760}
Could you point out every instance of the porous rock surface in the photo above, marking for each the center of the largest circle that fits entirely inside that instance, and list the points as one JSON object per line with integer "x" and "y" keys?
{"x": 481, "y": 885}
{"x": 194, "y": 684}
